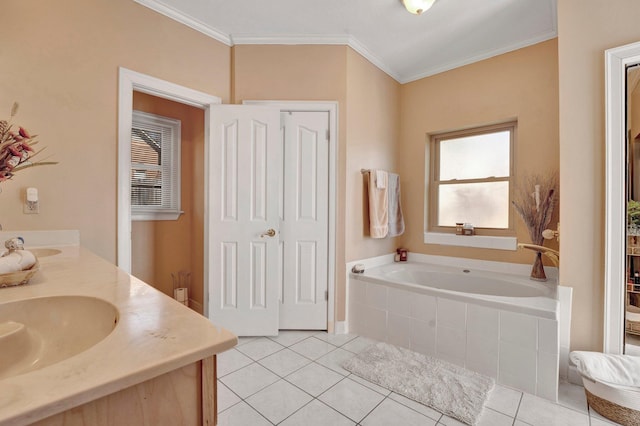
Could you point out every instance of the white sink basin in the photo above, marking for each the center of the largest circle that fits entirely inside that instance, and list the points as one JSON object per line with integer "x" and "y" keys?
{"x": 35, "y": 333}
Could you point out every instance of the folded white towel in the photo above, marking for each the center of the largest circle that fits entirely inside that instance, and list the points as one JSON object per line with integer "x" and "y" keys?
{"x": 17, "y": 260}
{"x": 620, "y": 370}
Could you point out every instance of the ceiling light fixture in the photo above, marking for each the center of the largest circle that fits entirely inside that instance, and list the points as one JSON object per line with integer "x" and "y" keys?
{"x": 417, "y": 7}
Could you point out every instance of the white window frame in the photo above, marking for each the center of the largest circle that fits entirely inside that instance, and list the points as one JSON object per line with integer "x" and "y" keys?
{"x": 170, "y": 152}
{"x": 500, "y": 239}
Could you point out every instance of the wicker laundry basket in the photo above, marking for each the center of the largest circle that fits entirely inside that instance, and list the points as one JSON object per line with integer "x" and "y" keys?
{"x": 618, "y": 403}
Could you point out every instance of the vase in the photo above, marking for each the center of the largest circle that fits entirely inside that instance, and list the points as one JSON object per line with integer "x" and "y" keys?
{"x": 537, "y": 271}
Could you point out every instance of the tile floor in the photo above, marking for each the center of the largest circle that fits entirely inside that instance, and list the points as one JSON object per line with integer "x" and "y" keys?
{"x": 296, "y": 379}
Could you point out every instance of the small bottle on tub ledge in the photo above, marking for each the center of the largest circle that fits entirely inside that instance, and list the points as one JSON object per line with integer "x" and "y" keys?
{"x": 401, "y": 255}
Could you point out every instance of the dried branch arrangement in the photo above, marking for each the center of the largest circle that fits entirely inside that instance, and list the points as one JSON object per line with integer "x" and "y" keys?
{"x": 534, "y": 200}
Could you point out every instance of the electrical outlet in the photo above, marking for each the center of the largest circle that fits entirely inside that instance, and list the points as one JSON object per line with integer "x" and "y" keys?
{"x": 31, "y": 207}
{"x": 31, "y": 202}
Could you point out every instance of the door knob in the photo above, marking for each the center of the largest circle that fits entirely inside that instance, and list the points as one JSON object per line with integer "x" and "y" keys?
{"x": 270, "y": 233}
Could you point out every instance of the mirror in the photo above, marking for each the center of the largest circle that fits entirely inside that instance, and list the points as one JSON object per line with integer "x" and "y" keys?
{"x": 632, "y": 290}
{"x": 619, "y": 189}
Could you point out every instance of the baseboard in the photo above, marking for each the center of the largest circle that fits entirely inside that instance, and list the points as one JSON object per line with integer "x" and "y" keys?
{"x": 340, "y": 327}
{"x": 574, "y": 377}
{"x": 196, "y": 306}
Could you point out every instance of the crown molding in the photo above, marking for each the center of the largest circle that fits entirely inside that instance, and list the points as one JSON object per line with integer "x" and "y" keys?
{"x": 290, "y": 39}
{"x": 326, "y": 39}
{"x": 480, "y": 57}
{"x": 340, "y": 39}
{"x": 190, "y": 22}
{"x": 368, "y": 55}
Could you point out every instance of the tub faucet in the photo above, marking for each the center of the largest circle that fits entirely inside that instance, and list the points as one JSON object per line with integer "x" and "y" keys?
{"x": 553, "y": 255}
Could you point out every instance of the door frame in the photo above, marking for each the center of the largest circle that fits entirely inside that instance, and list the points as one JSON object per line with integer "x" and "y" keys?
{"x": 332, "y": 109}
{"x": 128, "y": 81}
{"x": 616, "y": 61}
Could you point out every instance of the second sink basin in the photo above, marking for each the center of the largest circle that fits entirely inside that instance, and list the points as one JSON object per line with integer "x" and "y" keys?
{"x": 35, "y": 333}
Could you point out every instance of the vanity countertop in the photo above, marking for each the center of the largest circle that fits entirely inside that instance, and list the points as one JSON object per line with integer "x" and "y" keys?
{"x": 154, "y": 335}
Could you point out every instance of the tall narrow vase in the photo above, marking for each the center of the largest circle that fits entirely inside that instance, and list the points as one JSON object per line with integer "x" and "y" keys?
{"x": 537, "y": 271}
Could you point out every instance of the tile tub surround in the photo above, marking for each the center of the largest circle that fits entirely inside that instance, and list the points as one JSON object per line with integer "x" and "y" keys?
{"x": 518, "y": 350}
{"x": 154, "y": 335}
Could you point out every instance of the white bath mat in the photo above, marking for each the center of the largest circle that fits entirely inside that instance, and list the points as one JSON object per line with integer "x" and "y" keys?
{"x": 448, "y": 388}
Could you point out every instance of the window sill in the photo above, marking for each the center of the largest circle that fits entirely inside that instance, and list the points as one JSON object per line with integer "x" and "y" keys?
{"x": 157, "y": 215}
{"x": 478, "y": 241}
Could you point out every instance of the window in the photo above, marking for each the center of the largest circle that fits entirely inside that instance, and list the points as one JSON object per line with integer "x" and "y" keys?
{"x": 155, "y": 167}
{"x": 470, "y": 180}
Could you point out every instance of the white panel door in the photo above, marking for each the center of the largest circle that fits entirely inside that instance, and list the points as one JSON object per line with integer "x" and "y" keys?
{"x": 243, "y": 197}
{"x": 304, "y": 215}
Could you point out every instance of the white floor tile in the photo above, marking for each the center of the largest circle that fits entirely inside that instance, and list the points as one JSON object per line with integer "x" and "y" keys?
{"x": 289, "y": 337}
{"x": 348, "y": 400}
{"x": 244, "y": 340}
{"x": 504, "y": 400}
{"x": 249, "y": 380}
{"x": 316, "y": 413}
{"x": 284, "y": 362}
{"x": 334, "y": 360}
{"x": 370, "y": 385}
{"x": 335, "y": 339}
{"x": 489, "y": 417}
{"x": 540, "y": 412}
{"x": 416, "y": 406}
{"x": 448, "y": 421}
{"x": 260, "y": 348}
{"x": 230, "y": 361}
{"x": 314, "y": 378}
{"x": 312, "y": 348}
{"x": 572, "y": 396}
{"x": 351, "y": 399}
{"x": 597, "y": 419}
{"x": 226, "y": 398}
{"x": 241, "y": 414}
{"x": 601, "y": 421}
{"x": 390, "y": 412}
{"x": 278, "y": 401}
{"x": 358, "y": 344}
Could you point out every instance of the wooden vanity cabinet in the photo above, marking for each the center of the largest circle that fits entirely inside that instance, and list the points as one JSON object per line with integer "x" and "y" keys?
{"x": 185, "y": 396}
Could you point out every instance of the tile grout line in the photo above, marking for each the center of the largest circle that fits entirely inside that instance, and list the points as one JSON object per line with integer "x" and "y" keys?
{"x": 515, "y": 416}
{"x": 293, "y": 384}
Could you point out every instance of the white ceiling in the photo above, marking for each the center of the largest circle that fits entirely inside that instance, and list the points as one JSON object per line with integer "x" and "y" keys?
{"x": 407, "y": 47}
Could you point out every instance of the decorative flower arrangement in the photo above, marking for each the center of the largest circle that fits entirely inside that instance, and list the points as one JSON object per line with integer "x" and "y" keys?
{"x": 16, "y": 148}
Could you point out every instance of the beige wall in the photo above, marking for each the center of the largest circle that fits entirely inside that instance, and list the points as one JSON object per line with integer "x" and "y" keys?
{"x": 165, "y": 247}
{"x": 586, "y": 28}
{"x": 61, "y": 63}
{"x": 367, "y": 124}
{"x": 373, "y": 128}
{"x": 522, "y": 84}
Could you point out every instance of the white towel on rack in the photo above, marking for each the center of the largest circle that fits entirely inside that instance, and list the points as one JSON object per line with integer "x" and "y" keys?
{"x": 381, "y": 179}
{"x": 396, "y": 219}
{"x": 378, "y": 204}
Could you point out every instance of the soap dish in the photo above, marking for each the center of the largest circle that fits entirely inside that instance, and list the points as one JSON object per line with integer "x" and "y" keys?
{"x": 18, "y": 278}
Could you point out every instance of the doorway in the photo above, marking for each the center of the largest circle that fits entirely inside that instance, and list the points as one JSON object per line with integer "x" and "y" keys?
{"x": 128, "y": 82}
